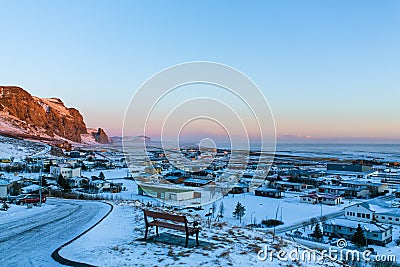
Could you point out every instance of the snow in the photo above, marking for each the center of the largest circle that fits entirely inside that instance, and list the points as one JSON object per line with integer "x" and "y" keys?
{"x": 117, "y": 241}
{"x": 19, "y": 149}
{"x": 29, "y": 236}
{"x": 256, "y": 206}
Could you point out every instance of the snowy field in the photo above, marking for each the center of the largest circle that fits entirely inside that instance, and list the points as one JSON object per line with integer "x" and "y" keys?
{"x": 19, "y": 149}
{"x": 117, "y": 241}
{"x": 257, "y": 207}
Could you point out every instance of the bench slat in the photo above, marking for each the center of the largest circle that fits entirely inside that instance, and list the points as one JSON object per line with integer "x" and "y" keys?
{"x": 173, "y": 226}
{"x": 165, "y": 216}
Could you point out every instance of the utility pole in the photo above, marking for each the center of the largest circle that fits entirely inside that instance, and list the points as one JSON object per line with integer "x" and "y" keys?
{"x": 40, "y": 182}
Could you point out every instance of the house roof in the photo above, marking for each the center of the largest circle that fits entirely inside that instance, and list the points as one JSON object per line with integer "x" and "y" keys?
{"x": 197, "y": 181}
{"x": 370, "y": 227}
{"x": 267, "y": 190}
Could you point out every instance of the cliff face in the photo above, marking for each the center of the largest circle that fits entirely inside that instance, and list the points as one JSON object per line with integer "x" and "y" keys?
{"x": 24, "y": 114}
{"x": 101, "y": 137}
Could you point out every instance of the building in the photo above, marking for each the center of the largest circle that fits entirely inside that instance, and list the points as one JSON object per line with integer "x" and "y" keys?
{"x": 77, "y": 181}
{"x": 327, "y": 199}
{"x": 168, "y": 192}
{"x": 268, "y": 192}
{"x": 239, "y": 188}
{"x": 377, "y": 234}
{"x": 100, "y": 185}
{"x": 66, "y": 170}
{"x": 367, "y": 212}
{"x": 3, "y": 188}
{"x": 196, "y": 182}
{"x": 292, "y": 186}
{"x": 347, "y": 167}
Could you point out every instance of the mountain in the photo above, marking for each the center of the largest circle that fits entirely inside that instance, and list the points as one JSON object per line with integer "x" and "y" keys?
{"x": 24, "y": 115}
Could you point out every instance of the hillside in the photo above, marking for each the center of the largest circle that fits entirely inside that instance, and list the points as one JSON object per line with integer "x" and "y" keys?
{"x": 27, "y": 116}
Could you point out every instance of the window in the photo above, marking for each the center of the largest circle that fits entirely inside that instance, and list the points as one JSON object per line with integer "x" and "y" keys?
{"x": 358, "y": 214}
{"x": 397, "y": 219}
{"x": 390, "y": 218}
{"x": 368, "y": 216}
{"x": 375, "y": 235}
{"x": 383, "y": 217}
{"x": 363, "y": 215}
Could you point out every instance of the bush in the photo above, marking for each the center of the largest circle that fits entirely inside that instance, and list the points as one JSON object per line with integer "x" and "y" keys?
{"x": 271, "y": 222}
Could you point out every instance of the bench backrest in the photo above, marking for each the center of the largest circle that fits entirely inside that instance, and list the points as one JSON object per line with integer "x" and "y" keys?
{"x": 165, "y": 216}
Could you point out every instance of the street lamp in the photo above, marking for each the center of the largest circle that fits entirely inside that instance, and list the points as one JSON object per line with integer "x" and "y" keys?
{"x": 251, "y": 218}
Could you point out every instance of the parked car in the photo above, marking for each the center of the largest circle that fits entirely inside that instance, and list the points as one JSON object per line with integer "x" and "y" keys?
{"x": 14, "y": 199}
{"x": 32, "y": 198}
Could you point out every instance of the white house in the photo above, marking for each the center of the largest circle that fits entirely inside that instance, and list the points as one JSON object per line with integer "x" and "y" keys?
{"x": 378, "y": 234}
{"x": 367, "y": 212}
{"x": 314, "y": 198}
{"x": 360, "y": 212}
{"x": 66, "y": 170}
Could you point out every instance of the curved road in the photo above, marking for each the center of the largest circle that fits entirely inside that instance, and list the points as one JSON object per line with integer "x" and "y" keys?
{"x": 30, "y": 240}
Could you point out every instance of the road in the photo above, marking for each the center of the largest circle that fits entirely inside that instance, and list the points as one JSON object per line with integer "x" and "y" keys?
{"x": 46, "y": 150}
{"x": 30, "y": 240}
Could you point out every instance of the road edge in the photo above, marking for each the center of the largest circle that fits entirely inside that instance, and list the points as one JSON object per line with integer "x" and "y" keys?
{"x": 58, "y": 258}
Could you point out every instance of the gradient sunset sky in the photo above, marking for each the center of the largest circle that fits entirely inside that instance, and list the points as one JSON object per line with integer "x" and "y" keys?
{"x": 329, "y": 69}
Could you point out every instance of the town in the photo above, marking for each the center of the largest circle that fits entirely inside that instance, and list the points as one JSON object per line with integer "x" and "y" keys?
{"x": 337, "y": 198}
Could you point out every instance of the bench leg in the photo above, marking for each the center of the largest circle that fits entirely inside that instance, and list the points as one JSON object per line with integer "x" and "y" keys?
{"x": 157, "y": 231}
{"x": 145, "y": 233}
{"x": 187, "y": 239}
{"x": 197, "y": 238}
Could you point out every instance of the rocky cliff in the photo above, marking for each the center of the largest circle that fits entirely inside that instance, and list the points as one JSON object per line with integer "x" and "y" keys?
{"x": 101, "y": 137}
{"x": 26, "y": 115}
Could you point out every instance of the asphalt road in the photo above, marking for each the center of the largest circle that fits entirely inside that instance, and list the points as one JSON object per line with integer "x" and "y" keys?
{"x": 29, "y": 241}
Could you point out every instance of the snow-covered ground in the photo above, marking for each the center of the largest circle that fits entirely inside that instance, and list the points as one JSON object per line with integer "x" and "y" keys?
{"x": 257, "y": 207}
{"x": 29, "y": 236}
{"x": 18, "y": 149}
{"x": 118, "y": 241}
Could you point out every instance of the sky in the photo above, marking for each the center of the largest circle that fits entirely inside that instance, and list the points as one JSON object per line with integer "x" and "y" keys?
{"x": 328, "y": 69}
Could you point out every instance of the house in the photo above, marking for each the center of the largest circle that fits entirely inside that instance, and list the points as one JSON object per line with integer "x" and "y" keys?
{"x": 373, "y": 212}
{"x": 77, "y": 181}
{"x": 239, "y": 188}
{"x": 360, "y": 212}
{"x": 310, "y": 198}
{"x": 100, "y": 185}
{"x": 333, "y": 189}
{"x": 168, "y": 192}
{"x": 314, "y": 198}
{"x": 375, "y": 189}
{"x": 196, "y": 182}
{"x": 291, "y": 186}
{"x": 377, "y": 234}
{"x": 3, "y": 188}
{"x": 268, "y": 192}
{"x": 338, "y": 190}
{"x": 328, "y": 199}
{"x": 66, "y": 170}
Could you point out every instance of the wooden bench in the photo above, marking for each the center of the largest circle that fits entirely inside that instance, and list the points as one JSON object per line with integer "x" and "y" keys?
{"x": 179, "y": 223}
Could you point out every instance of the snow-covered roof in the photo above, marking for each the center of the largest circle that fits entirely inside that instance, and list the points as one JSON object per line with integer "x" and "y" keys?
{"x": 371, "y": 227}
{"x": 30, "y": 188}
